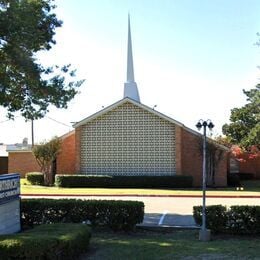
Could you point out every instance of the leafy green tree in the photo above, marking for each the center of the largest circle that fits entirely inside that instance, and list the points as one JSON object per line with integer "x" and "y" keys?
{"x": 223, "y": 140}
{"x": 45, "y": 154}
{"x": 26, "y": 28}
{"x": 244, "y": 129}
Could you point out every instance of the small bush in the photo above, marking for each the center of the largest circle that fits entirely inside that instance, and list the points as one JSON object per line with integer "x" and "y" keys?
{"x": 233, "y": 180}
{"x": 234, "y": 220}
{"x": 35, "y": 178}
{"x": 246, "y": 176}
{"x": 56, "y": 241}
{"x": 103, "y": 181}
{"x": 244, "y": 219}
{"x": 216, "y": 217}
{"x": 116, "y": 214}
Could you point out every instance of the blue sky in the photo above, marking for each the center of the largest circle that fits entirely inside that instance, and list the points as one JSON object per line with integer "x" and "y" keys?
{"x": 192, "y": 58}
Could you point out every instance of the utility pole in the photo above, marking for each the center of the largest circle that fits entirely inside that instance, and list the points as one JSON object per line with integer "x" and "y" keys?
{"x": 32, "y": 133}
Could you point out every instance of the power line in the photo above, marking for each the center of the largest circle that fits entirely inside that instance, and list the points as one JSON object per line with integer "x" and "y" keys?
{"x": 8, "y": 120}
{"x": 4, "y": 121}
{"x": 58, "y": 122}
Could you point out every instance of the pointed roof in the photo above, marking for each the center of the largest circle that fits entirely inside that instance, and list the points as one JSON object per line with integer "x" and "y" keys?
{"x": 130, "y": 64}
{"x": 130, "y": 86}
{"x": 122, "y": 101}
{"x": 147, "y": 108}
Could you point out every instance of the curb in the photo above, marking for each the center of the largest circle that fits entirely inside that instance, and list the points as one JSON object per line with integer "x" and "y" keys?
{"x": 138, "y": 195}
{"x": 166, "y": 227}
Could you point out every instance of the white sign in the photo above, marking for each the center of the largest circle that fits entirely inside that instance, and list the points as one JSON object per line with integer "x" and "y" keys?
{"x": 9, "y": 203}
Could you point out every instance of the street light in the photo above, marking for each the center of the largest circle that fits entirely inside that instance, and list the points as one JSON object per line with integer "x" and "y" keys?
{"x": 204, "y": 232}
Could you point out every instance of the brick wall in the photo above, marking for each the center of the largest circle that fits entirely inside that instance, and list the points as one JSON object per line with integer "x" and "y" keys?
{"x": 78, "y": 131}
{"x": 191, "y": 160}
{"x": 22, "y": 162}
{"x": 250, "y": 165}
{"x": 66, "y": 159}
{"x": 178, "y": 149}
{"x": 247, "y": 162}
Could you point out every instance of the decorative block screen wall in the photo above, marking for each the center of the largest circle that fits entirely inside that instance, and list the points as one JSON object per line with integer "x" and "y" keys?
{"x": 128, "y": 141}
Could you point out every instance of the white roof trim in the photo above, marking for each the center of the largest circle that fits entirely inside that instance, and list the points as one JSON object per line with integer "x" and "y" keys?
{"x": 120, "y": 102}
{"x": 155, "y": 112}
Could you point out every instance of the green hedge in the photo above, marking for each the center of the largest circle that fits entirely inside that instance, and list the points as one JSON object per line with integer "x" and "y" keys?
{"x": 115, "y": 214}
{"x": 216, "y": 217}
{"x": 56, "y": 241}
{"x": 233, "y": 180}
{"x": 103, "y": 181}
{"x": 244, "y": 219}
{"x": 234, "y": 220}
{"x": 246, "y": 176}
{"x": 35, "y": 178}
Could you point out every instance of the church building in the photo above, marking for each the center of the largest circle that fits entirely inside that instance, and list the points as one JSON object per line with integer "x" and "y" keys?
{"x": 132, "y": 139}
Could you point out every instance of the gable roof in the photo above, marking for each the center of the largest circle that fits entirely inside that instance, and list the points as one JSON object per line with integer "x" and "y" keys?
{"x": 142, "y": 106}
{"x": 121, "y": 102}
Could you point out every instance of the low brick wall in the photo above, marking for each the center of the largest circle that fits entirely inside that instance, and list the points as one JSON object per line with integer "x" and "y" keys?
{"x": 22, "y": 162}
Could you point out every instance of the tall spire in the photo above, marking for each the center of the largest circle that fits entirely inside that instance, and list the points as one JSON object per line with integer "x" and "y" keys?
{"x": 130, "y": 86}
{"x": 130, "y": 65}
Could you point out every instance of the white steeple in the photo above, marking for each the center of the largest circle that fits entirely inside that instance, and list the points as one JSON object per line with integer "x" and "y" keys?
{"x": 130, "y": 86}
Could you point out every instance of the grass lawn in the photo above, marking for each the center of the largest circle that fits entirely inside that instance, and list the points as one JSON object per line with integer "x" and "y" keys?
{"x": 250, "y": 188}
{"x": 179, "y": 244}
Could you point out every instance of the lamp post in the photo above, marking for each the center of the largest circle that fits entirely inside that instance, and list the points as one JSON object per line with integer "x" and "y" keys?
{"x": 204, "y": 232}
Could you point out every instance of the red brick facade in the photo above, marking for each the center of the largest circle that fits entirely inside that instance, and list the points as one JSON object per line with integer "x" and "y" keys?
{"x": 66, "y": 158}
{"x": 250, "y": 166}
{"x": 22, "y": 162}
{"x": 247, "y": 162}
{"x": 78, "y": 148}
{"x": 189, "y": 158}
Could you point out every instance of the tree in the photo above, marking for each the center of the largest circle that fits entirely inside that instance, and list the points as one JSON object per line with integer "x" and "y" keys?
{"x": 244, "y": 129}
{"x": 223, "y": 140}
{"x": 45, "y": 154}
{"x": 26, "y": 28}
{"x": 214, "y": 154}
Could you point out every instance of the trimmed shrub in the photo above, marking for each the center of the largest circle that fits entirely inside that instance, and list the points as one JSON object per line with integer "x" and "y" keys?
{"x": 244, "y": 219}
{"x": 233, "y": 180}
{"x": 216, "y": 217}
{"x": 115, "y": 214}
{"x": 246, "y": 176}
{"x": 104, "y": 181}
{"x": 235, "y": 220}
{"x": 56, "y": 241}
{"x": 35, "y": 178}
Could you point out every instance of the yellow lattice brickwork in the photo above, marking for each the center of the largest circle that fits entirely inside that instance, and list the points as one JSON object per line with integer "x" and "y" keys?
{"x": 128, "y": 140}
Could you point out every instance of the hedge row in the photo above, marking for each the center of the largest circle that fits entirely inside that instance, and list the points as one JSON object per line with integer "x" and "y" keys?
{"x": 115, "y": 214}
{"x": 102, "y": 181}
{"x": 56, "y": 241}
{"x": 235, "y": 220}
{"x": 35, "y": 178}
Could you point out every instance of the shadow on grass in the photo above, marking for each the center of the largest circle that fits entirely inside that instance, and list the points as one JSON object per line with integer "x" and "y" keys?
{"x": 178, "y": 244}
